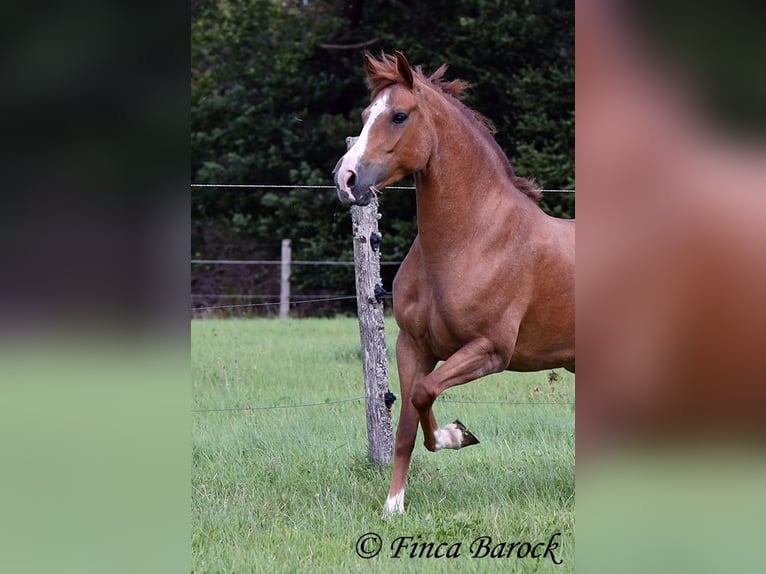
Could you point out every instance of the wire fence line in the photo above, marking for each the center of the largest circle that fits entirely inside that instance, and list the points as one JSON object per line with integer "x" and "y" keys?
{"x": 279, "y": 262}
{"x": 355, "y": 399}
{"x": 263, "y": 295}
{"x": 295, "y": 299}
{"x": 279, "y": 186}
{"x": 276, "y": 304}
{"x": 274, "y": 407}
{"x": 285, "y": 186}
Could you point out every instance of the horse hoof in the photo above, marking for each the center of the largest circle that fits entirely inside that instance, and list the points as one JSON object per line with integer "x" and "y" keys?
{"x": 454, "y": 435}
{"x": 468, "y": 438}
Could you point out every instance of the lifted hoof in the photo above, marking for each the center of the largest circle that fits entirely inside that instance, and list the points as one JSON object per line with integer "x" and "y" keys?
{"x": 468, "y": 437}
{"x": 454, "y": 435}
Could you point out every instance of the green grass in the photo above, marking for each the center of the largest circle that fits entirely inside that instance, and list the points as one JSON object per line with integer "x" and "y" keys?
{"x": 290, "y": 489}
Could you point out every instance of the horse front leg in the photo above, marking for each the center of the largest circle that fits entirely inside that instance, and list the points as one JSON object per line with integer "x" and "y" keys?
{"x": 412, "y": 366}
{"x": 472, "y": 361}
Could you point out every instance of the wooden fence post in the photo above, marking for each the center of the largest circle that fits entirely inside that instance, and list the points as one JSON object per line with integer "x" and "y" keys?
{"x": 284, "y": 289}
{"x": 369, "y": 302}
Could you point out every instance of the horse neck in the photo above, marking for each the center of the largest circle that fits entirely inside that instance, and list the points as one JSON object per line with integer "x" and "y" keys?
{"x": 465, "y": 186}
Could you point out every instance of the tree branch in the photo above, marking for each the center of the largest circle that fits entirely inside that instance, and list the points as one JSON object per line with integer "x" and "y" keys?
{"x": 350, "y": 46}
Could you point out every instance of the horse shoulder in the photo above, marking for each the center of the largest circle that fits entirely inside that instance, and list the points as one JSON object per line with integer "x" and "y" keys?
{"x": 412, "y": 294}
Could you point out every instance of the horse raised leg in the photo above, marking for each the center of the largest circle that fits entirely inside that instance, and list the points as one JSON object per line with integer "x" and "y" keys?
{"x": 420, "y": 386}
{"x": 472, "y": 361}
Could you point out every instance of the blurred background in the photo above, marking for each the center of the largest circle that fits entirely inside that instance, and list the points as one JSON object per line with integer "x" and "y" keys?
{"x": 671, "y": 391}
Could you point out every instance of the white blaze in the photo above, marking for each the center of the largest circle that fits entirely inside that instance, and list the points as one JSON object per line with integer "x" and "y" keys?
{"x": 351, "y": 159}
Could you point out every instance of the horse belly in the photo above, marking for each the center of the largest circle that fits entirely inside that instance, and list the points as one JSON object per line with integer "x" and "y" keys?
{"x": 541, "y": 347}
{"x": 540, "y": 361}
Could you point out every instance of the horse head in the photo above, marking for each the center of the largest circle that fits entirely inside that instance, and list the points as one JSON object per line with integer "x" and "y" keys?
{"x": 395, "y": 140}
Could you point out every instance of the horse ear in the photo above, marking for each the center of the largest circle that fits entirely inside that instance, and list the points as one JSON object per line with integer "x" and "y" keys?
{"x": 404, "y": 69}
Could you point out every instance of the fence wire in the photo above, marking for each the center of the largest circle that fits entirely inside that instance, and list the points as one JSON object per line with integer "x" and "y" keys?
{"x": 275, "y": 304}
{"x": 356, "y": 399}
{"x": 285, "y": 186}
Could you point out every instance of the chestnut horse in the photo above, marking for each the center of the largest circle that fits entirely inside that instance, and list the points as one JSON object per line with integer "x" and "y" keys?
{"x": 488, "y": 284}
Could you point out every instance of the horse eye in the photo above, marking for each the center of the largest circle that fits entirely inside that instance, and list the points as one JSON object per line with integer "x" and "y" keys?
{"x": 399, "y": 118}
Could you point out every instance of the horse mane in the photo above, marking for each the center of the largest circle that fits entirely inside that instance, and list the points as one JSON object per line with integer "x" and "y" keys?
{"x": 384, "y": 72}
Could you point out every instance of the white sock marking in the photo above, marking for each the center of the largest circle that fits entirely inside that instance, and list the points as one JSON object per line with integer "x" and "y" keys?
{"x": 449, "y": 436}
{"x": 394, "y": 504}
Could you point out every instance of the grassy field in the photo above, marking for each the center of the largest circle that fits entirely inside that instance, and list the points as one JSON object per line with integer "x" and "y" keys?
{"x": 289, "y": 489}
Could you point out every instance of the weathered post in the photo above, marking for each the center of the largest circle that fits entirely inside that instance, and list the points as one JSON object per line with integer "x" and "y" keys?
{"x": 284, "y": 288}
{"x": 369, "y": 302}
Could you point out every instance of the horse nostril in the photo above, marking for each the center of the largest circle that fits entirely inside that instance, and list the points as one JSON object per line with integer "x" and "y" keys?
{"x": 351, "y": 179}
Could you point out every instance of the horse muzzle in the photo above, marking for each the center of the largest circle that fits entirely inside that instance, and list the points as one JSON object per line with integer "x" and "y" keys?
{"x": 355, "y": 186}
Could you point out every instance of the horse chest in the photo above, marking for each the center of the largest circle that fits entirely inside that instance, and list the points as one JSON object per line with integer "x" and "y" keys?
{"x": 444, "y": 316}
